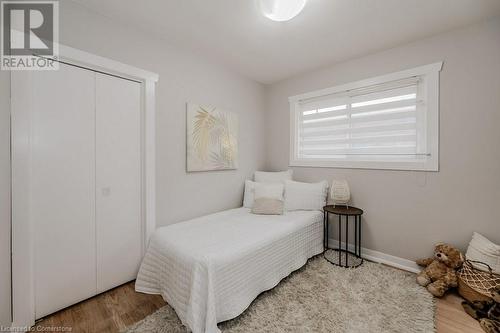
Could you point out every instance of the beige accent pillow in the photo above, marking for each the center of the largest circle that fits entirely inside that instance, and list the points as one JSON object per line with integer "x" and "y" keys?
{"x": 267, "y": 206}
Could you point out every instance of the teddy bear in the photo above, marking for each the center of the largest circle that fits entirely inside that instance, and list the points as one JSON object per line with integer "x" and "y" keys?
{"x": 439, "y": 273}
{"x": 487, "y": 312}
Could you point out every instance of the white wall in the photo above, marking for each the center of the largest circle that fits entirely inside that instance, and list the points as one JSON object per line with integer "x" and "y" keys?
{"x": 4, "y": 198}
{"x": 407, "y": 212}
{"x": 184, "y": 77}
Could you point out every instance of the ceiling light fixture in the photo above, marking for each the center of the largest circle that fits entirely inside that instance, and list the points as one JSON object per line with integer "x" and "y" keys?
{"x": 281, "y": 10}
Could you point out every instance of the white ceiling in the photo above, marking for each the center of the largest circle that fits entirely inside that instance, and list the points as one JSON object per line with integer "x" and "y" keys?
{"x": 234, "y": 33}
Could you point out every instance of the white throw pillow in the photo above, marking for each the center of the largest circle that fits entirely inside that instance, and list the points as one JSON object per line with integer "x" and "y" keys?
{"x": 268, "y": 199}
{"x": 305, "y": 196}
{"x": 248, "y": 196}
{"x": 482, "y": 249}
{"x": 272, "y": 177}
{"x": 265, "y": 188}
{"x": 268, "y": 191}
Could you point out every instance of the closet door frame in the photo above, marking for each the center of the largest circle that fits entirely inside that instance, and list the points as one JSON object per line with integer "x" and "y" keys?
{"x": 23, "y": 286}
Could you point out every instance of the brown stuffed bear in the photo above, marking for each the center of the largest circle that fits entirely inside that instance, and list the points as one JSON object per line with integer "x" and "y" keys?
{"x": 439, "y": 273}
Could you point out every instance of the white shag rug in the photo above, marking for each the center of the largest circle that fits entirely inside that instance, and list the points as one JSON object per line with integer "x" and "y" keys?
{"x": 321, "y": 297}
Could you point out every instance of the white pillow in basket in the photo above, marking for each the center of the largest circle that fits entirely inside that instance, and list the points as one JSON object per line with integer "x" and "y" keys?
{"x": 482, "y": 249}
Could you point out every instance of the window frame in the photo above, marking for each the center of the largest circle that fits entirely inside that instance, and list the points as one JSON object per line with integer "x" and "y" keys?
{"x": 430, "y": 85}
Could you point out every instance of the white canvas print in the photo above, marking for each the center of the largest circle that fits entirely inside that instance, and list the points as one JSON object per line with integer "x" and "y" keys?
{"x": 212, "y": 138}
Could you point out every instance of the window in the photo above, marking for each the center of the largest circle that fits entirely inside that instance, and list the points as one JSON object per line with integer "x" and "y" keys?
{"x": 387, "y": 122}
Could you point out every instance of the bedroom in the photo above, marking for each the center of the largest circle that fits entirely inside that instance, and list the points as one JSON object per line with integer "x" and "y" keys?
{"x": 166, "y": 60}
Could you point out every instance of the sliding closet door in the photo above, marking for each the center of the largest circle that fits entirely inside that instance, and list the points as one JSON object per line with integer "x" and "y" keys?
{"x": 63, "y": 187}
{"x": 118, "y": 179}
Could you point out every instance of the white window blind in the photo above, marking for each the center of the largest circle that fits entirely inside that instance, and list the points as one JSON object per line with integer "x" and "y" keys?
{"x": 386, "y": 121}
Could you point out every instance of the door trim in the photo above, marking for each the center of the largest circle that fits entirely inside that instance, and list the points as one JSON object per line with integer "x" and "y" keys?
{"x": 23, "y": 292}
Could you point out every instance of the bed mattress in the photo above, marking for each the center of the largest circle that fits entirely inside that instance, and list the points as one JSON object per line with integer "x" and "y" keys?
{"x": 211, "y": 268}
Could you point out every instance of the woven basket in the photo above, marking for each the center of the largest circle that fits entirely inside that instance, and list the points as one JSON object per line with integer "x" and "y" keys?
{"x": 475, "y": 284}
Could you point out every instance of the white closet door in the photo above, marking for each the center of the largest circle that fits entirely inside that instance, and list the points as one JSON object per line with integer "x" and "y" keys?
{"x": 118, "y": 180}
{"x": 63, "y": 187}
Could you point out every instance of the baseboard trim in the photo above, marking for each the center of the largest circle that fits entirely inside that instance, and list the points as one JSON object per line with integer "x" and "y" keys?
{"x": 380, "y": 257}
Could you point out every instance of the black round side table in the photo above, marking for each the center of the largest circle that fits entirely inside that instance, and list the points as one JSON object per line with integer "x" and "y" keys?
{"x": 334, "y": 256}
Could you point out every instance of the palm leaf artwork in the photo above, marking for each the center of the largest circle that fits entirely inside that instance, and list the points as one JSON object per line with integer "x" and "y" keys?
{"x": 220, "y": 129}
{"x": 203, "y": 125}
{"x": 218, "y": 161}
{"x": 213, "y": 139}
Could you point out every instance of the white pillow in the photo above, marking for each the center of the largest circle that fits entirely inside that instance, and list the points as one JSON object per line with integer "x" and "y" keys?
{"x": 305, "y": 196}
{"x": 482, "y": 249}
{"x": 268, "y": 191}
{"x": 272, "y": 177}
{"x": 268, "y": 199}
{"x": 248, "y": 196}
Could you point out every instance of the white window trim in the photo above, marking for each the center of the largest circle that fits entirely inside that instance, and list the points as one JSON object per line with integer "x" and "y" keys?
{"x": 429, "y": 72}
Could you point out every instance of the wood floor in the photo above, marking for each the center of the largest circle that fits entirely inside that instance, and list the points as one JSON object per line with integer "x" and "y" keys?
{"x": 111, "y": 311}
{"x": 451, "y": 318}
{"x": 117, "y": 309}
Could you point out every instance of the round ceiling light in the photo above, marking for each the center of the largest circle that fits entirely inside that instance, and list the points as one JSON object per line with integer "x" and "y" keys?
{"x": 281, "y": 10}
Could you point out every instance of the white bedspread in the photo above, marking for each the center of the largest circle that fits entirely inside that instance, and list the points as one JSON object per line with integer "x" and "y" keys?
{"x": 211, "y": 268}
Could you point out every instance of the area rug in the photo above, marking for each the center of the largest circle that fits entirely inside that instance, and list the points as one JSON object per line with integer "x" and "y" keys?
{"x": 321, "y": 297}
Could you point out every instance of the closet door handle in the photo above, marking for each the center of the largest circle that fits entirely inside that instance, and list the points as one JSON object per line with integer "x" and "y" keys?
{"x": 106, "y": 191}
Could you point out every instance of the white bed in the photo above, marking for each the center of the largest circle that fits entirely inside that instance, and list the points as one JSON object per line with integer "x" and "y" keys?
{"x": 211, "y": 268}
